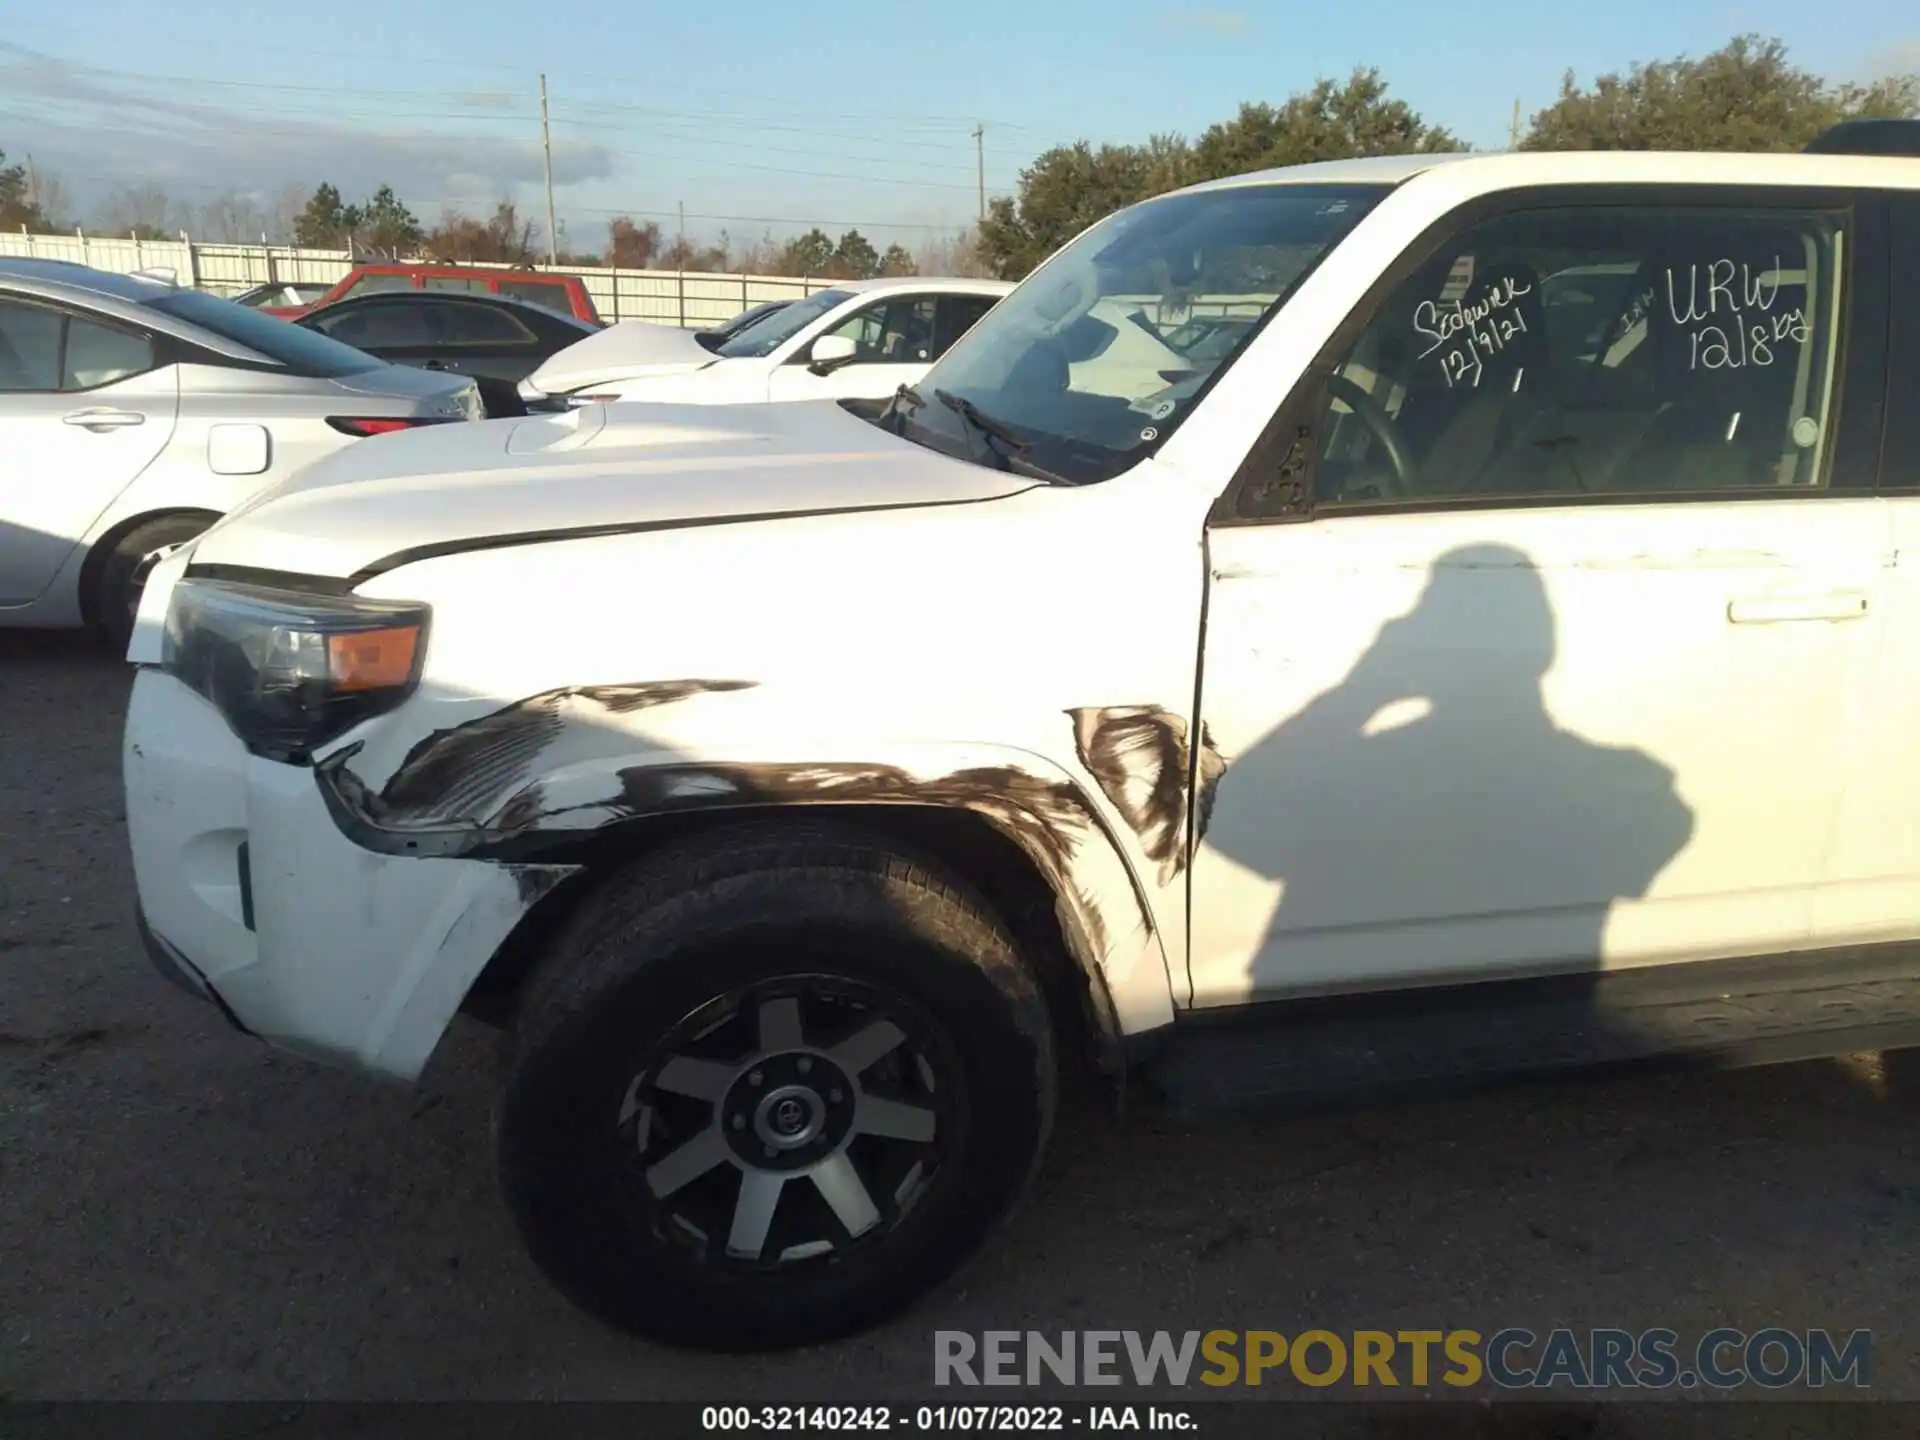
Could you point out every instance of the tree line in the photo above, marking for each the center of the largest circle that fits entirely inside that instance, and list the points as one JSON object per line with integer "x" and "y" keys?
{"x": 1745, "y": 96}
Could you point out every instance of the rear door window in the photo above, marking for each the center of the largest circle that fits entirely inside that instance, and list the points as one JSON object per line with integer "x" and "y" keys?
{"x": 482, "y": 325}
{"x": 47, "y": 350}
{"x": 548, "y": 293}
{"x": 378, "y": 284}
{"x": 98, "y": 355}
{"x": 957, "y": 316}
{"x": 29, "y": 347}
{"x": 385, "y": 324}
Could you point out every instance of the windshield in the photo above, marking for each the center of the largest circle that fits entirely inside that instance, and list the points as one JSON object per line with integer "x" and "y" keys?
{"x": 770, "y": 332}
{"x": 1100, "y": 355}
{"x": 302, "y": 351}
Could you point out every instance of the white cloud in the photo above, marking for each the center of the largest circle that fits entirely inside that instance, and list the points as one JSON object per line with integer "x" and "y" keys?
{"x": 1226, "y": 23}
{"x": 99, "y": 131}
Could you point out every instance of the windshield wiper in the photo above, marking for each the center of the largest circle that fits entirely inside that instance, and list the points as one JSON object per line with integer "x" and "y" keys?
{"x": 902, "y": 395}
{"x": 1011, "y": 449}
{"x": 984, "y": 423}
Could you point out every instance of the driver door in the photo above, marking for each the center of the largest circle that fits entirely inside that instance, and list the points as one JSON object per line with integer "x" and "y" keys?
{"x": 1552, "y": 669}
{"x": 893, "y": 343}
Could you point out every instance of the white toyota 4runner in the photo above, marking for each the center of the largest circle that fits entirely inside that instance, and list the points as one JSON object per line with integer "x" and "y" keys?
{"x": 1490, "y": 649}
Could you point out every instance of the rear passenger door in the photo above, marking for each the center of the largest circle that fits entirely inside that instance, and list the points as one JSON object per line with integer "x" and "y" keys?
{"x": 1874, "y": 872}
{"x": 1537, "y": 626}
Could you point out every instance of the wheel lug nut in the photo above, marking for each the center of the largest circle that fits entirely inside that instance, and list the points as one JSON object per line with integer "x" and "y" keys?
{"x": 756, "y": 1078}
{"x": 739, "y": 1122}
{"x": 805, "y": 1065}
{"x": 771, "y": 1152}
{"x": 834, "y": 1096}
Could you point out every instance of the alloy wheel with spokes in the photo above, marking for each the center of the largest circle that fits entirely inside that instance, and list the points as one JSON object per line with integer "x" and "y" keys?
{"x": 792, "y": 1120}
{"x": 769, "y": 1086}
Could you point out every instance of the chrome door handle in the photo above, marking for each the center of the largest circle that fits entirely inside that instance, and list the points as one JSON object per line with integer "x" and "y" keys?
{"x": 1779, "y": 609}
{"x": 102, "y": 420}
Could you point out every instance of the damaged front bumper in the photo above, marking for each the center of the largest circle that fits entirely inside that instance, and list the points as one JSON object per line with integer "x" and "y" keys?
{"x": 253, "y": 897}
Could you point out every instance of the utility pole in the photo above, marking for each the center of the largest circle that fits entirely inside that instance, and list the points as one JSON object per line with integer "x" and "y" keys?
{"x": 1513, "y": 129}
{"x": 980, "y": 162}
{"x": 33, "y": 184}
{"x": 546, "y": 144}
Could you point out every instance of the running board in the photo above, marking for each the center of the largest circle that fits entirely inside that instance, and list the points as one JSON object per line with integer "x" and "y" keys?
{"x": 1708, "y": 1014}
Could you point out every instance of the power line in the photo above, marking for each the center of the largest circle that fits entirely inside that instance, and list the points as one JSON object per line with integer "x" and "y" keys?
{"x": 86, "y": 68}
{"x": 695, "y": 139}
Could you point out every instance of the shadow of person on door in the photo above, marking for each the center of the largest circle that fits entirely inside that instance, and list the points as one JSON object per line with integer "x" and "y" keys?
{"x": 1428, "y": 811}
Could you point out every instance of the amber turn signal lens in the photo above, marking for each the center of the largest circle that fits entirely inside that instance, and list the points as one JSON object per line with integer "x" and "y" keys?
{"x": 373, "y": 659}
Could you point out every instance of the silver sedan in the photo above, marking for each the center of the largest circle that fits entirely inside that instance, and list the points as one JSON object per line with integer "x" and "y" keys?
{"x": 134, "y": 413}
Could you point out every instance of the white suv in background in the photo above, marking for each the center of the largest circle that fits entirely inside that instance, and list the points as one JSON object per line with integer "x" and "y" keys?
{"x": 1497, "y": 657}
{"x": 860, "y": 339}
{"x": 132, "y": 413}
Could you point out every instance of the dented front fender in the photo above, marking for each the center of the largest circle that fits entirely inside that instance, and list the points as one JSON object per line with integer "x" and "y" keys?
{"x": 527, "y": 782}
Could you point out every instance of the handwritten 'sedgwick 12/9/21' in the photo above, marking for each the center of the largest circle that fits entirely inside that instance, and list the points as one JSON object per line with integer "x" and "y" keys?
{"x": 1732, "y": 329}
{"x": 1474, "y": 332}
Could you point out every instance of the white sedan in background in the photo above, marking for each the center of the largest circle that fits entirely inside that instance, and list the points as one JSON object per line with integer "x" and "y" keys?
{"x": 133, "y": 414}
{"x": 860, "y": 339}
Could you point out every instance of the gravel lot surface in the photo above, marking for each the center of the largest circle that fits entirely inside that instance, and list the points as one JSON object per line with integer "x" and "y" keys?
{"x": 184, "y": 1214}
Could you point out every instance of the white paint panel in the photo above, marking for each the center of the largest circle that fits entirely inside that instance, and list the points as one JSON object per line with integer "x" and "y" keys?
{"x": 1605, "y": 770}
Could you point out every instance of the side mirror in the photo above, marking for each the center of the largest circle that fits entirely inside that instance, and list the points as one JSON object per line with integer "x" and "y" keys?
{"x": 829, "y": 353}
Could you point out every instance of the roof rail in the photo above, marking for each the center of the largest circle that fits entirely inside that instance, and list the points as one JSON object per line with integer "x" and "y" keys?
{"x": 1867, "y": 137}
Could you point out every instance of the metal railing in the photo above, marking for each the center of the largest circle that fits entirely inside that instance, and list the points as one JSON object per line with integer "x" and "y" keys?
{"x": 687, "y": 298}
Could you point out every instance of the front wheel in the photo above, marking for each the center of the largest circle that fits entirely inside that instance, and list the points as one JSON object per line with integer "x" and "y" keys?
{"x": 770, "y": 1088}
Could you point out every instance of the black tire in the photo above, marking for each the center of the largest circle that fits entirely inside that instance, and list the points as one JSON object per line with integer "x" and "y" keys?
{"x": 116, "y": 596}
{"x": 725, "y": 921}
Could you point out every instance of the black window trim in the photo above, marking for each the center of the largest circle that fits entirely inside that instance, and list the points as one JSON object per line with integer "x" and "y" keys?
{"x": 1898, "y": 462}
{"x": 948, "y": 305}
{"x": 1283, "y": 455}
{"x": 160, "y": 350}
{"x": 479, "y": 300}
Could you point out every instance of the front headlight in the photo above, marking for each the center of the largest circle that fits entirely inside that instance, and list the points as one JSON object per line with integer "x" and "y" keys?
{"x": 290, "y": 670}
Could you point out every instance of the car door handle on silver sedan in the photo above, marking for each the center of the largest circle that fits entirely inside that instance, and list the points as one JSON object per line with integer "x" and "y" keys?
{"x": 100, "y": 419}
{"x": 1778, "y": 609}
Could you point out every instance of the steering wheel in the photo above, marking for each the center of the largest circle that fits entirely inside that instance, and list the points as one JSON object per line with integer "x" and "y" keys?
{"x": 1379, "y": 424}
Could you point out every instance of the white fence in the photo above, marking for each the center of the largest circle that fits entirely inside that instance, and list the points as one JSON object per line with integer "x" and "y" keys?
{"x": 671, "y": 297}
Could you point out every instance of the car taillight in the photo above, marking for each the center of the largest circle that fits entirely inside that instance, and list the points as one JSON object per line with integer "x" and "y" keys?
{"x": 384, "y": 424}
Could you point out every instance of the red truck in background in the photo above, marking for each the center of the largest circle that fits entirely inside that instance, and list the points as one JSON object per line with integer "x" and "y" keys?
{"x": 564, "y": 293}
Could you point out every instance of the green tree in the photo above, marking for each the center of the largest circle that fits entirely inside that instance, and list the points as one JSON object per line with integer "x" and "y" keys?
{"x": 326, "y": 223}
{"x": 1744, "y": 96}
{"x": 388, "y": 226}
{"x": 898, "y": 262}
{"x": 632, "y": 245}
{"x": 808, "y": 254}
{"x": 1329, "y": 122}
{"x": 854, "y": 258}
{"x": 502, "y": 238}
{"x": 1062, "y": 192}
{"x": 19, "y": 205}
{"x": 1069, "y": 187}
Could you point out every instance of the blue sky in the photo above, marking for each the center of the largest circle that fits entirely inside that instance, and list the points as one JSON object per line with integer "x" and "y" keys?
{"x": 768, "y": 115}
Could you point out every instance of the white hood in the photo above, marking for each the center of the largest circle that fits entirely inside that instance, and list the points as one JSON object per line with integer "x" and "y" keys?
{"x": 601, "y": 467}
{"x": 621, "y": 352}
